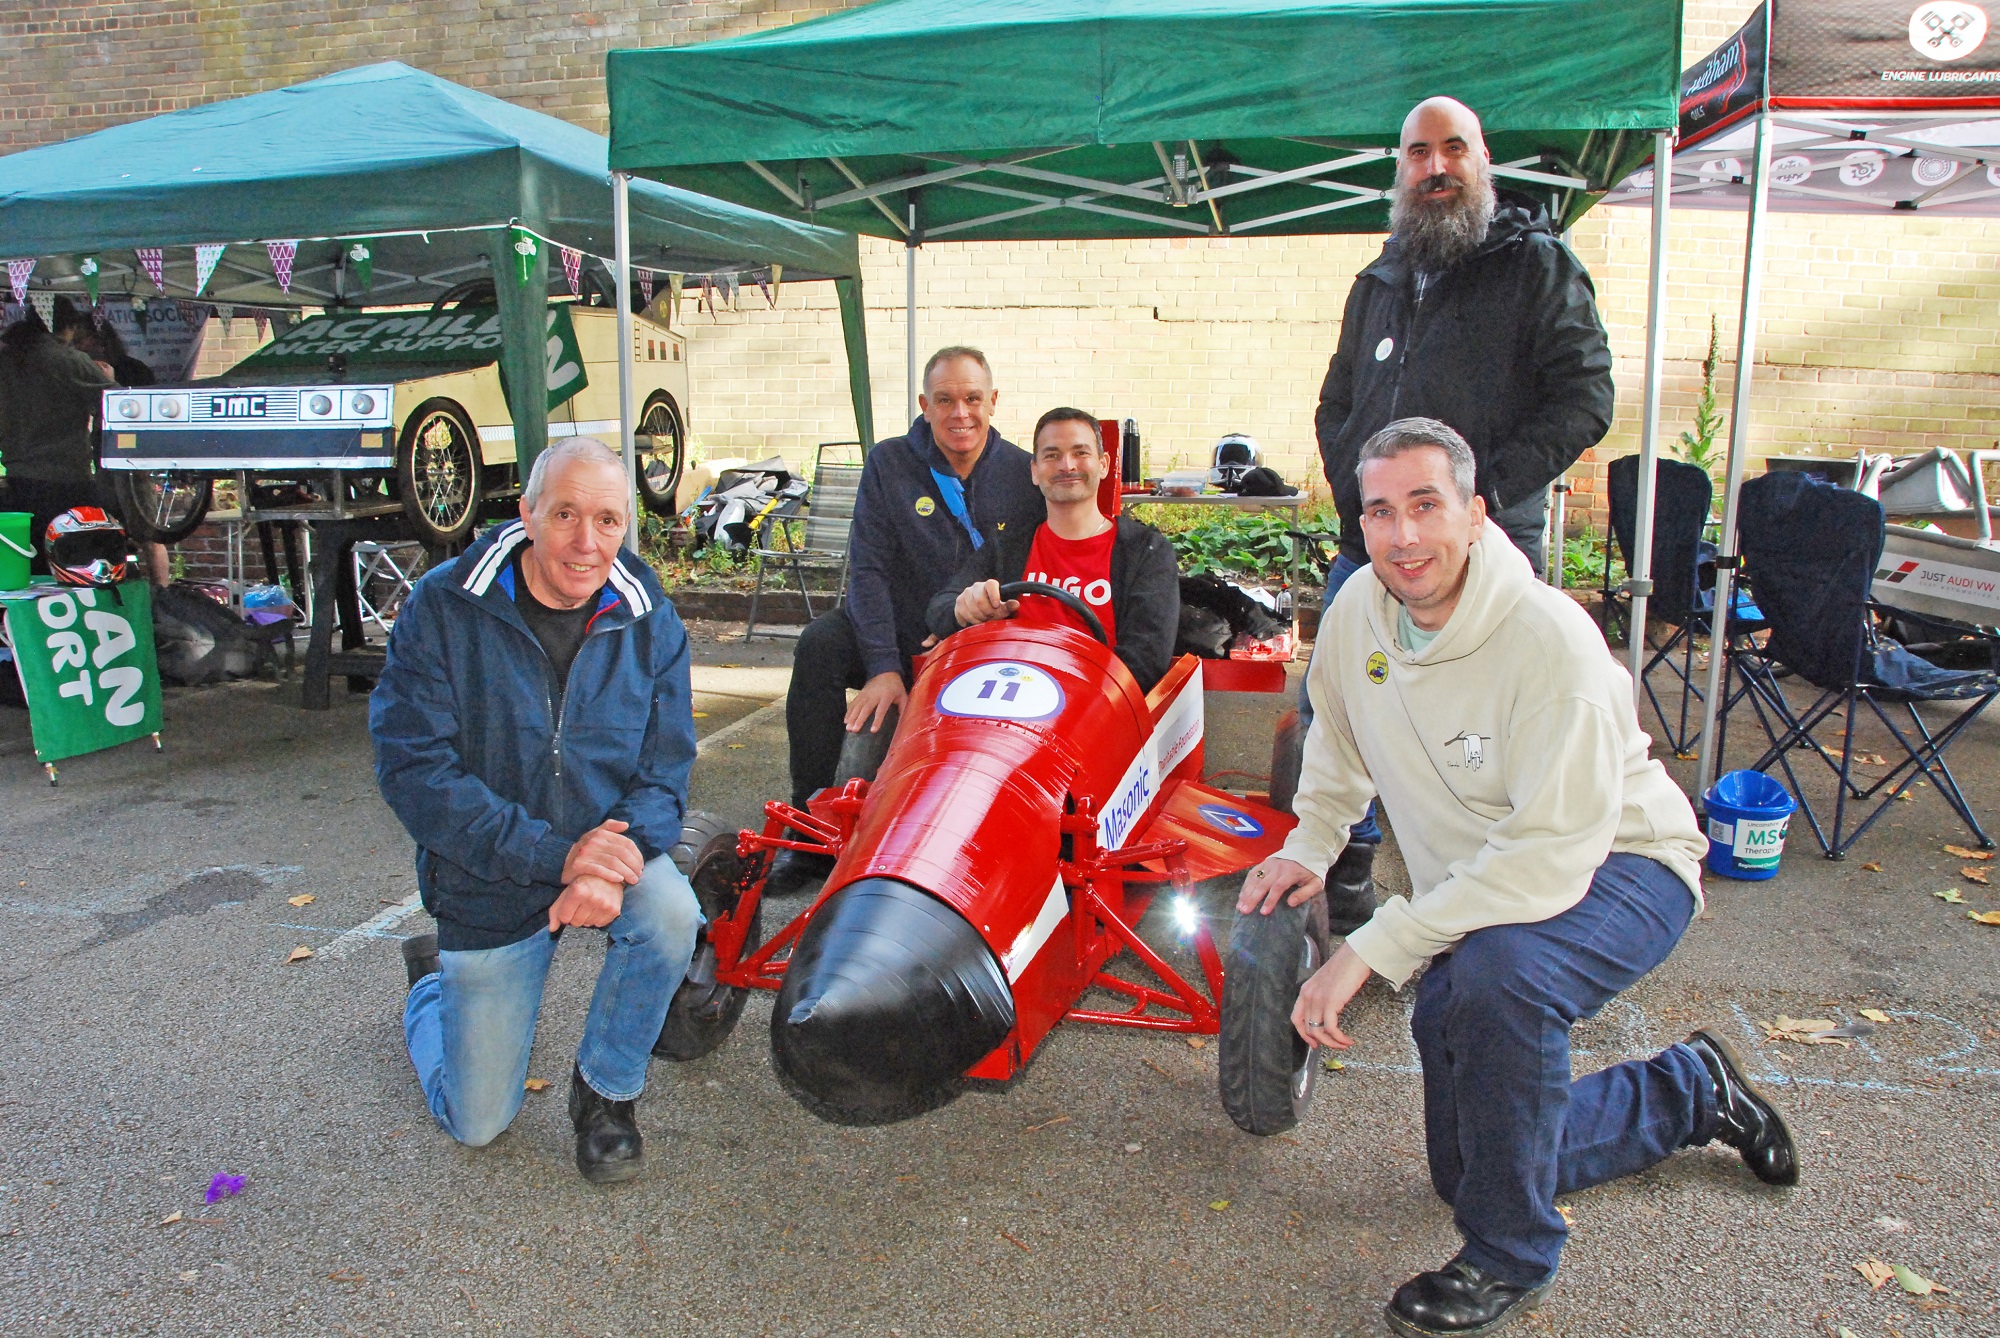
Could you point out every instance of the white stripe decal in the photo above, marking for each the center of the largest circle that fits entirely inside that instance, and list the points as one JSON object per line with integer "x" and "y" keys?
{"x": 510, "y": 537}
{"x": 1054, "y": 911}
{"x": 588, "y": 427}
{"x": 634, "y": 592}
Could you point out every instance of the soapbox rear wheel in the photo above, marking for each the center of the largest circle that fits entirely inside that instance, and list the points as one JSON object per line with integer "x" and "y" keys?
{"x": 703, "y": 1012}
{"x": 1268, "y": 1071}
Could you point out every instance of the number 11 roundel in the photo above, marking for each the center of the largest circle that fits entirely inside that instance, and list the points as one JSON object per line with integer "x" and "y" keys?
{"x": 1003, "y": 690}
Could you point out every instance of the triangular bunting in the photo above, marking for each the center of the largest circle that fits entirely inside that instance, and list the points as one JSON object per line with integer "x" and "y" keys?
{"x": 525, "y": 249}
{"x": 45, "y": 307}
{"x": 572, "y": 262}
{"x": 228, "y": 314}
{"x": 282, "y": 255}
{"x": 361, "y": 262}
{"x": 17, "y": 275}
{"x": 777, "y": 281}
{"x": 205, "y": 256}
{"x": 675, "y": 282}
{"x": 87, "y": 267}
{"x": 263, "y": 319}
{"x": 153, "y": 260}
{"x": 645, "y": 277}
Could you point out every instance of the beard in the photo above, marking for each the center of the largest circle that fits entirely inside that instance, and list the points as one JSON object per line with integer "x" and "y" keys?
{"x": 1437, "y": 235}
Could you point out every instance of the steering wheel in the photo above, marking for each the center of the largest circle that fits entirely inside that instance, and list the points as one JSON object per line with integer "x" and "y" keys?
{"x": 1015, "y": 589}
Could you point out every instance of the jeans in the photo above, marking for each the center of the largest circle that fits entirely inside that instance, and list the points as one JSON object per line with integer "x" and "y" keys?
{"x": 471, "y": 1025}
{"x": 1366, "y": 832}
{"x": 1527, "y": 524}
{"x": 1506, "y": 1128}
{"x": 825, "y": 665}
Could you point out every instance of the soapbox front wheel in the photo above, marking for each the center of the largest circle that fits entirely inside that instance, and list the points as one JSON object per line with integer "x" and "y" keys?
{"x": 159, "y": 506}
{"x": 659, "y": 453}
{"x": 1267, "y": 1070}
{"x": 1015, "y": 589}
{"x": 440, "y": 473}
{"x": 703, "y": 1013}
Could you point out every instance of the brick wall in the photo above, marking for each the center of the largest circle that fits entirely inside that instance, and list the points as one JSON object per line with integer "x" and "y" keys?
{"x": 1877, "y": 332}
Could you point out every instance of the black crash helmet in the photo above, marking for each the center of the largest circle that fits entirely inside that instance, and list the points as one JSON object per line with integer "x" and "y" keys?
{"x": 1235, "y": 455}
{"x": 86, "y": 547}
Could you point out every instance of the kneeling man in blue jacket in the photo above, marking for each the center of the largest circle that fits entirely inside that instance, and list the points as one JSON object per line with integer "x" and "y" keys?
{"x": 533, "y": 730}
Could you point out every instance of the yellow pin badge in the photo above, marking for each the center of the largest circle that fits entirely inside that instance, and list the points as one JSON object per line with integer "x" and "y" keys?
{"x": 1378, "y": 667}
{"x": 925, "y": 506}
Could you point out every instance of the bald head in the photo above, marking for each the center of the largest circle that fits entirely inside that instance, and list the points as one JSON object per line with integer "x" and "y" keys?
{"x": 1435, "y": 121}
{"x": 1444, "y": 197}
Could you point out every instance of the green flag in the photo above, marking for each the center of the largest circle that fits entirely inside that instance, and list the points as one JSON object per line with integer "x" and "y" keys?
{"x": 88, "y": 268}
{"x": 87, "y": 666}
{"x": 525, "y": 248}
{"x": 361, "y": 262}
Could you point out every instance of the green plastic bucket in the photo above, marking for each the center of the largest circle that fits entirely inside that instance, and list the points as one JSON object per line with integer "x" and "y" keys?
{"x": 16, "y": 549}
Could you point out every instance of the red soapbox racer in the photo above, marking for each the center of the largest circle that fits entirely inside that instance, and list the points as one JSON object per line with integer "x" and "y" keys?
{"x": 1030, "y": 808}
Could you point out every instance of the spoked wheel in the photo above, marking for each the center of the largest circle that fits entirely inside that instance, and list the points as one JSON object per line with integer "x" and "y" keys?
{"x": 703, "y": 1012}
{"x": 659, "y": 454}
{"x": 439, "y": 472}
{"x": 160, "y": 507}
{"x": 1268, "y": 1070}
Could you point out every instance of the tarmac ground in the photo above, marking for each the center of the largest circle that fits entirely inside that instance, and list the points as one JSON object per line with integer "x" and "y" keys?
{"x": 157, "y": 1036}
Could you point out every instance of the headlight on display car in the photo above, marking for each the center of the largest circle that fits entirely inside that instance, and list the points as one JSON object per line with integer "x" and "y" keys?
{"x": 130, "y": 408}
{"x": 170, "y": 407}
{"x": 360, "y": 404}
{"x": 319, "y": 406}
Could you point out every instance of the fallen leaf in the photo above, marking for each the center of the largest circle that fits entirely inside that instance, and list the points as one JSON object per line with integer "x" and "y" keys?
{"x": 732, "y": 666}
{"x": 171, "y": 1218}
{"x": 1332, "y": 1065}
{"x": 1005, "y": 1235}
{"x": 1874, "y": 1272}
{"x": 1914, "y": 1283}
{"x": 1984, "y": 917}
{"x": 1871, "y": 760}
{"x": 1047, "y": 1124}
{"x": 1569, "y": 1218}
{"x": 1871, "y": 868}
{"x": 1220, "y": 1205}
{"x": 190, "y": 1274}
{"x": 1846, "y": 1332}
{"x": 338, "y": 1276}
{"x": 1135, "y": 1147}
{"x": 1196, "y": 1042}
{"x": 302, "y": 899}
{"x": 536, "y": 1084}
{"x": 1156, "y": 1068}
{"x": 1966, "y": 852}
{"x": 1904, "y": 795}
{"x": 1805, "y": 1031}
{"x": 1974, "y": 875}
{"x": 1951, "y": 895}
{"x": 701, "y": 715}
{"x": 299, "y": 954}
{"x": 1874, "y": 1015}
{"x": 733, "y": 745}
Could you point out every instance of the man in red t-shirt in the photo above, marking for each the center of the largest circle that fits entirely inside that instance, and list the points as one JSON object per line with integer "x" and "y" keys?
{"x": 1121, "y": 569}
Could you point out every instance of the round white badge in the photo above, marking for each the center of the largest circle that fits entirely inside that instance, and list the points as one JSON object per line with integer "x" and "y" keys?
{"x": 1947, "y": 30}
{"x": 1720, "y": 169}
{"x": 1384, "y": 349}
{"x": 1791, "y": 170}
{"x": 1861, "y": 168}
{"x": 1933, "y": 171}
{"x": 1002, "y": 690}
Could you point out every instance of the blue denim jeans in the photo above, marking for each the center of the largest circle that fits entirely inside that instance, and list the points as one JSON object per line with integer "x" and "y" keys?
{"x": 1366, "y": 832}
{"x": 471, "y": 1025}
{"x": 1505, "y": 1126}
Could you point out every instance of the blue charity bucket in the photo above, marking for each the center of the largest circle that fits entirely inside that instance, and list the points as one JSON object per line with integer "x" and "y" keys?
{"x": 1747, "y": 816}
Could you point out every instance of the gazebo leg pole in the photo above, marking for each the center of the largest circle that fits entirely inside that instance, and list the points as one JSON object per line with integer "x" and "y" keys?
{"x": 1639, "y": 584}
{"x": 910, "y": 318}
{"x": 1739, "y": 450}
{"x": 621, "y": 244}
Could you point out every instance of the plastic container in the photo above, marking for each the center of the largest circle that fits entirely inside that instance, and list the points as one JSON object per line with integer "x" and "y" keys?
{"x": 1184, "y": 483}
{"x": 17, "y": 549}
{"x": 1747, "y": 816}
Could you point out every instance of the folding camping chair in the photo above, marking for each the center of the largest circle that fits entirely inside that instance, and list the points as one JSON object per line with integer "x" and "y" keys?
{"x": 1810, "y": 551}
{"x": 1680, "y": 597}
{"x": 828, "y": 512}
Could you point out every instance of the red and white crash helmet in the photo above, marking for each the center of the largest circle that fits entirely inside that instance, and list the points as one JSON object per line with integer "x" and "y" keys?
{"x": 87, "y": 547}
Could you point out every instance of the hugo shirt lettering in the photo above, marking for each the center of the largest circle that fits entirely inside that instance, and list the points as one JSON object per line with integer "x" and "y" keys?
{"x": 1081, "y": 567}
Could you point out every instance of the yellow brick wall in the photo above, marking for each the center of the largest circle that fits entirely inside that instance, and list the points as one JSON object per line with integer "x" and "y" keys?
{"x": 1877, "y": 332}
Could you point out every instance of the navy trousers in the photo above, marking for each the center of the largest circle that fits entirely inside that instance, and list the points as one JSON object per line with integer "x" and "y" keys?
{"x": 1506, "y": 1128}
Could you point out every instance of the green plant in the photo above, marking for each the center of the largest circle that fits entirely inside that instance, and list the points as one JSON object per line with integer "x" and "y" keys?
{"x": 1254, "y": 545}
{"x": 1583, "y": 561}
{"x": 1698, "y": 446}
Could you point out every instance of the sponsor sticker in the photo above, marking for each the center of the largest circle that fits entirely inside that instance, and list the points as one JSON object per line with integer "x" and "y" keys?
{"x": 1378, "y": 668}
{"x": 1230, "y": 821}
{"x": 1002, "y": 690}
{"x": 925, "y": 506}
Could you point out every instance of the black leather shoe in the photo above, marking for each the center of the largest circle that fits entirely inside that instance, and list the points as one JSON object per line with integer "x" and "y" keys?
{"x": 420, "y": 957}
{"x": 1350, "y": 889}
{"x": 1459, "y": 1300}
{"x": 1749, "y": 1123}
{"x": 608, "y": 1146}
{"x": 796, "y": 871}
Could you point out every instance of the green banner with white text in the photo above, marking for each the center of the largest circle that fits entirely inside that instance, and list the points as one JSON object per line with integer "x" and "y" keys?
{"x": 87, "y": 666}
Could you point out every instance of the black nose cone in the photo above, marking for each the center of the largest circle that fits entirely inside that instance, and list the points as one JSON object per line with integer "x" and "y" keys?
{"x": 889, "y": 997}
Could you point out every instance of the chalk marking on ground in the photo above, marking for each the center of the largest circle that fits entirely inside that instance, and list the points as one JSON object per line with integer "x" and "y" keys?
{"x": 384, "y": 921}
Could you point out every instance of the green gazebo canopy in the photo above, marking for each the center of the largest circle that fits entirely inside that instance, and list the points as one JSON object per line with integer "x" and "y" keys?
{"x": 431, "y": 175}
{"x": 1038, "y": 119}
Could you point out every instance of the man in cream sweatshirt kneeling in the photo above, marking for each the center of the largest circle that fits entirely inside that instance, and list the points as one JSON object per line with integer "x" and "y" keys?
{"x": 1552, "y": 862}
